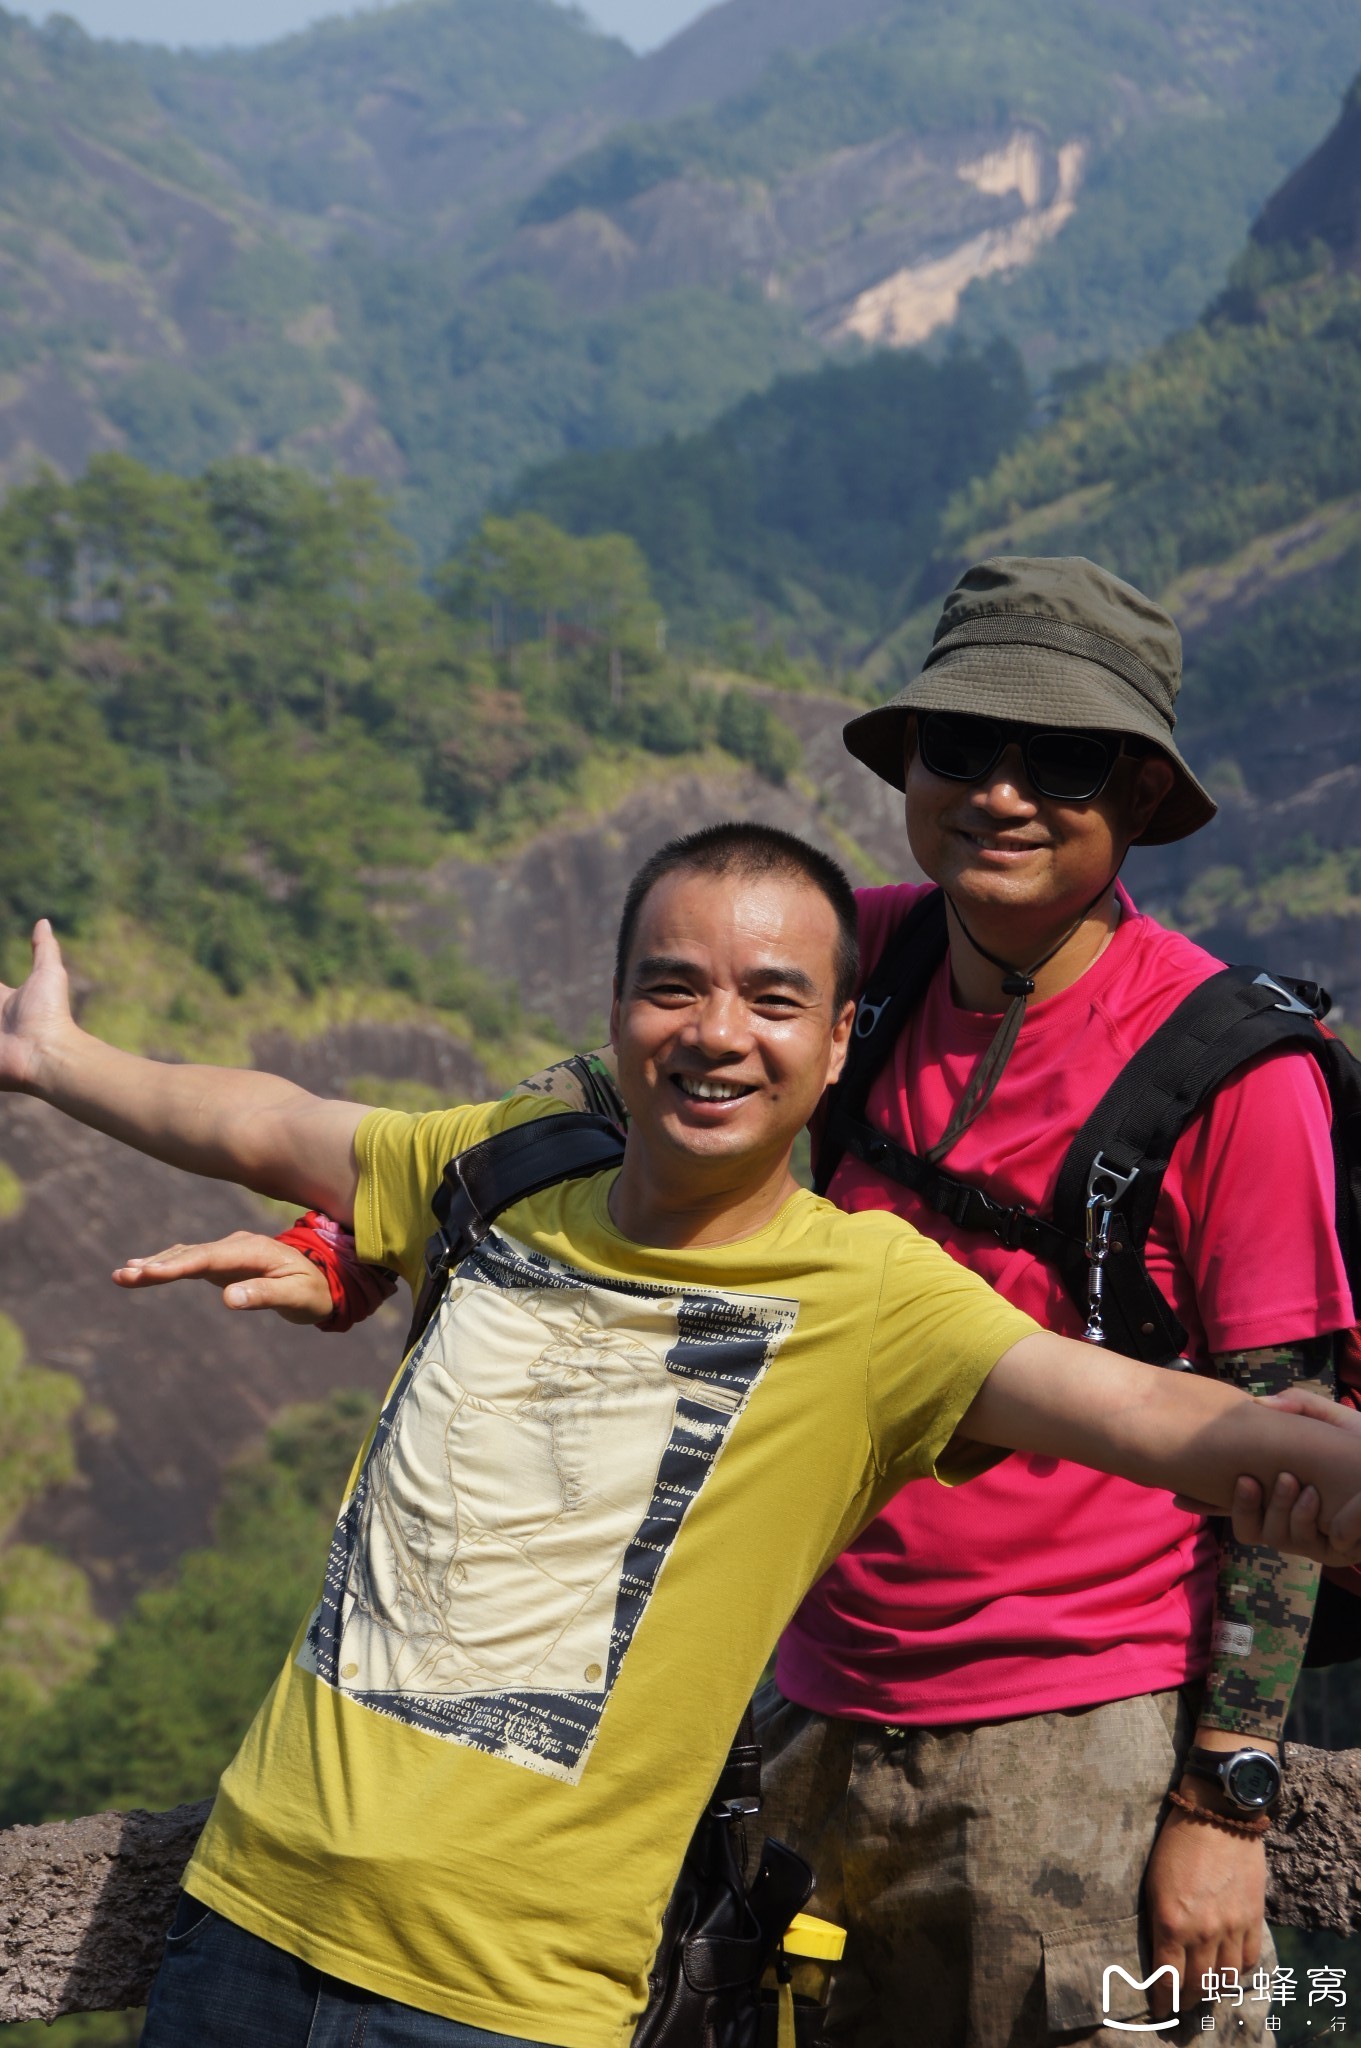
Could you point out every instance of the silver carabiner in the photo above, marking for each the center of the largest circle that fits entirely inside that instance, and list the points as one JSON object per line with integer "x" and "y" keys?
{"x": 1106, "y": 1187}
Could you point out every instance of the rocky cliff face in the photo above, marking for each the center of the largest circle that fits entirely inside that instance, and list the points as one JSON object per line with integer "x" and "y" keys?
{"x": 544, "y": 918}
{"x": 876, "y": 243}
{"x": 174, "y": 1385}
{"x": 1321, "y": 202}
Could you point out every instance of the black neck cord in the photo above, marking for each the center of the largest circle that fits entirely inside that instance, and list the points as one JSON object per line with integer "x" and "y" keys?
{"x": 1017, "y": 983}
{"x": 1020, "y": 981}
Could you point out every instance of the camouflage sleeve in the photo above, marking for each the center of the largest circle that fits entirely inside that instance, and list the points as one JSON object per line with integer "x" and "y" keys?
{"x": 1264, "y": 1602}
{"x": 585, "y": 1081}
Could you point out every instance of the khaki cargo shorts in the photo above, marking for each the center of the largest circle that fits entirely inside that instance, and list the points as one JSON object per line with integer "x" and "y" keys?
{"x": 989, "y": 1876}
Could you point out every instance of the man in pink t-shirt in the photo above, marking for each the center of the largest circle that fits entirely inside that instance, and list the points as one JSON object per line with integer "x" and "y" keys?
{"x": 983, "y": 1716}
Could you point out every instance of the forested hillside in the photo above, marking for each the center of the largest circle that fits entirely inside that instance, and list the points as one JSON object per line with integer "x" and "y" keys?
{"x": 230, "y": 708}
{"x": 805, "y": 512}
{"x": 443, "y": 242}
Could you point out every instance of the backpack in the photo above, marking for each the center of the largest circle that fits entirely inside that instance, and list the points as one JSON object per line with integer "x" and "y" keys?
{"x": 1096, "y": 1230}
{"x": 719, "y": 1935}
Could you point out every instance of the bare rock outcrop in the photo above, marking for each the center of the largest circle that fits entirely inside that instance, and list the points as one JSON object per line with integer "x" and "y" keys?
{"x": 1314, "y": 1850}
{"x": 389, "y": 1052}
{"x": 84, "y": 1905}
{"x": 543, "y": 917}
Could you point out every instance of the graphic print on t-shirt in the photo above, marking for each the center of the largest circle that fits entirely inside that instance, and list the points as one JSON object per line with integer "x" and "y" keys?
{"x": 528, "y": 1477}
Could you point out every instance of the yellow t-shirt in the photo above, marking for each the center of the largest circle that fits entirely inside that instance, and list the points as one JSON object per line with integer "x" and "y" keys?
{"x": 598, "y": 1489}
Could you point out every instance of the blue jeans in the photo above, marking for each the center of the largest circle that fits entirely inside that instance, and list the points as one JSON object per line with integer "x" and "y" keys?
{"x": 219, "y": 1987}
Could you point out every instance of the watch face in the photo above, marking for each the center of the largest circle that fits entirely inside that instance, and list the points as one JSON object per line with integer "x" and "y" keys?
{"x": 1253, "y": 1781}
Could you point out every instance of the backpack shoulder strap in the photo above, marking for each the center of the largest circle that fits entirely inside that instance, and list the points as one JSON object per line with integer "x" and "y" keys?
{"x": 1230, "y": 1019}
{"x": 1342, "y": 1072}
{"x": 894, "y": 989}
{"x": 1119, "y": 1158}
{"x": 599, "y": 1089}
{"x": 504, "y": 1169}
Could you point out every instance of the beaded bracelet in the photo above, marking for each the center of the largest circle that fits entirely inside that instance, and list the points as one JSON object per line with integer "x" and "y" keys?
{"x": 1252, "y": 1829}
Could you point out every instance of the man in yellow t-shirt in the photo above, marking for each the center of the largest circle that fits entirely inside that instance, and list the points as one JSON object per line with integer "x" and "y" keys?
{"x": 649, "y": 1410}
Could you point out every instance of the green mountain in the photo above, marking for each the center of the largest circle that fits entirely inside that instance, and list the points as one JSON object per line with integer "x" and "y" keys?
{"x": 454, "y": 239}
{"x": 335, "y": 722}
{"x": 800, "y": 511}
{"x": 1095, "y": 122}
{"x": 1221, "y": 470}
{"x": 411, "y": 111}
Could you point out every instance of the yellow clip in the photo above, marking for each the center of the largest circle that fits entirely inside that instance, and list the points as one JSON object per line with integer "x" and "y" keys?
{"x": 808, "y": 1936}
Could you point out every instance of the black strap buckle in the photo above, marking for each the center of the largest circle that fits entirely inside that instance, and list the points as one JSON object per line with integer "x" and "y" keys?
{"x": 970, "y": 1209}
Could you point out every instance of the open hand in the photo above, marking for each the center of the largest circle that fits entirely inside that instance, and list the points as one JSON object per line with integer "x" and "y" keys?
{"x": 36, "y": 1013}
{"x": 253, "y": 1271}
{"x": 1289, "y": 1519}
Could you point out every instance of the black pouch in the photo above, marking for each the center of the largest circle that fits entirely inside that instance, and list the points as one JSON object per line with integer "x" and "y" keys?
{"x": 718, "y": 1938}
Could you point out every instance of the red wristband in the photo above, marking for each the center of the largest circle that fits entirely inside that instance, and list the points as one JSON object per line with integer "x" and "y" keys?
{"x": 356, "y": 1289}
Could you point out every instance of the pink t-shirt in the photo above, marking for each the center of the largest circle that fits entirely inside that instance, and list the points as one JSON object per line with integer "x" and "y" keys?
{"x": 1041, "y": 1585}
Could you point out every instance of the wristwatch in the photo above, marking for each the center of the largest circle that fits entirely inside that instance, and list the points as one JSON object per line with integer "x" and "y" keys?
{"x": 1250, "y": 1779}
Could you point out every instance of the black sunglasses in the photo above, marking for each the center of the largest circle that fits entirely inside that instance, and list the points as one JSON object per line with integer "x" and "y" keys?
{"x": 1070, "y": 766}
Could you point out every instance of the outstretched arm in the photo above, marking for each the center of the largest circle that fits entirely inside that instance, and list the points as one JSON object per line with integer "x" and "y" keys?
{"x": 224, "y": 1122}
{"x": 1177, "y": 1430}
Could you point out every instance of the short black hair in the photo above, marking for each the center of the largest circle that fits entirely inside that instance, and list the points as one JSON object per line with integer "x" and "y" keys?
{"x": 743, "y": 848}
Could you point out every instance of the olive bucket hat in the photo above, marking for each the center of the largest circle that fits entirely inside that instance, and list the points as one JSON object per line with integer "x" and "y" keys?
{"x": 1053, "y": 641}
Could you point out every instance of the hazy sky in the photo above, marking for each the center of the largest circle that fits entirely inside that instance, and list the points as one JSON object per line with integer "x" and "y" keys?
{"x": 643, "y": 23}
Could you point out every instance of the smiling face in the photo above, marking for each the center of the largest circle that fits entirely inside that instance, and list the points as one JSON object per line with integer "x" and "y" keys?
{"x": 997, "y": 845}
{"x": 726, "y": 1026}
